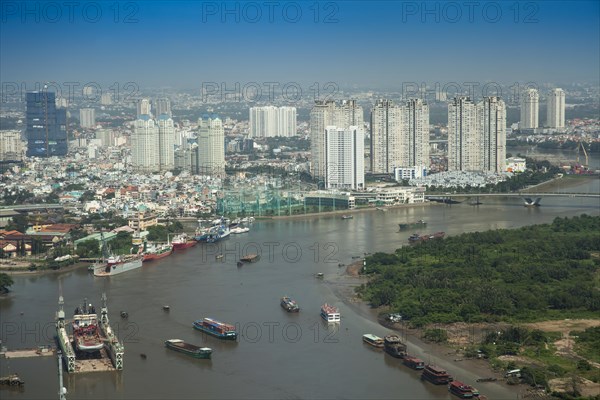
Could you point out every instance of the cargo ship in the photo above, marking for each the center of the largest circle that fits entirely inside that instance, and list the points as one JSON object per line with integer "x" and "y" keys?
{"x": 436, "y": 375}
{"x": 460, "y": 390}
{"x": 118, "y": 264}
{"x": 86, "y": 335}
{"x": 373, "y": 340}
{"x": 394, "y": 346}
{"x": 330, "y": 313}
{"x": 413, "y": 362}
{"x": 189, "y": 349}
{"x": 155, "y": 252}
{"x": 289, "y": 305}
{"x": 182, "y": 241}
{"x": 414, "y": 224}
{"x": 217, "y": 329}
{"x": 415, "y": 237}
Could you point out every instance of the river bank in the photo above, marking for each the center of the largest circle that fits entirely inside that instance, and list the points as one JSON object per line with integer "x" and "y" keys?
{"x": 23, "y": 270}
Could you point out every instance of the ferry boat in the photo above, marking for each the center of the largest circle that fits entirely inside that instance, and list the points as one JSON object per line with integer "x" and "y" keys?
{"x": 413, "y": 362}
{"x": 436, "y": 375}
{"x": 86, "y": 334}
{"x": 289, "y": 305}
{"x": 189, "y": 349}
{"x": 155, "y": 252}
{"x": 460, "y": 390}
{"x": 182, "y": 241}
{"x": 330, "y": 313}
{"x": 394, "y": 346}
{"x": 118, "y": 264}
{"x": 413, "y": 224}
{"x": 217, "y": 329}
{"x": 373, "y": 340}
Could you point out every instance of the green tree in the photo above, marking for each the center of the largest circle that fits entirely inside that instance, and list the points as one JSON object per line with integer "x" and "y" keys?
{"x": 5, "y": 282}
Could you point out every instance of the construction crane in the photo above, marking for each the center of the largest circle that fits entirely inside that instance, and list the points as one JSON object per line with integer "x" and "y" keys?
{"x": 583, "y": 166}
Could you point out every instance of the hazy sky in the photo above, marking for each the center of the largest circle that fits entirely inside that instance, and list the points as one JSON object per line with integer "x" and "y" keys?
{"x": 374, "y": 44}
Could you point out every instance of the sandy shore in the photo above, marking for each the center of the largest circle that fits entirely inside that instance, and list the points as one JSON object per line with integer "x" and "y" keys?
{"x": 469, "y": 370}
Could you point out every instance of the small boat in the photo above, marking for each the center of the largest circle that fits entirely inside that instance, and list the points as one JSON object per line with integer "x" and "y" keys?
{"x": 219, "y": 256}
{"x": 124, "y": 314}
{"x": 413, "y": 362}
{"x": 189, "y": 349}
{"x": 393, "y": 346}
{"x": 319, "y": 275}
{"x": 413, "y": 224}
{"x": 144, "y": 356}
{"x": 330, "y": 313}
{"x": 289, "y": 305}
{"x": 436, "y": 375}
{"x": 239, "y": 263}
{"x": 166, "y": 308}
{"x": 250, "y": 258}
{"x": 239, "y": 230}
{"x": 182, "y": 241}
{"x": 373, "y": 340}
{"x": 347, "y": 216}
{"x": 215, "y": 328}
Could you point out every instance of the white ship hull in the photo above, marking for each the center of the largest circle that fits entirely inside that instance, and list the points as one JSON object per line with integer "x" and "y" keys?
{"x": 118, "y": 268}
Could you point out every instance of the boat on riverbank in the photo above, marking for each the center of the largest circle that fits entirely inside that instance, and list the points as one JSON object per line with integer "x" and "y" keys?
{"x": 416, "y": 238}
{"x": 215, "y": 328}
{"x": 289, "y": 304}
{"x": 189, "y": 349}
{"x": 156, "y": 252}
{"x": 330, "y": 313}
{"x": 436, "y": 375}
{"x": 460, "y": 390}
{"x": 183, "y": 241}
{"x": 413, "y": 362}
{"x": 118, "y": 264}
{"x": 414, "y": 224}
{"x": 373, "y": 340}
{"x": 393, "y": 345}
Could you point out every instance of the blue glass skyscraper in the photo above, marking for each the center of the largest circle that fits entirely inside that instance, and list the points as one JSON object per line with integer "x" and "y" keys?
{"x": 46, "y": 125}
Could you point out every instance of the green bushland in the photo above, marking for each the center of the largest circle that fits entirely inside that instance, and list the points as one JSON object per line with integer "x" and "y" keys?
{"x": 588, "y": 344}
{"x": 528, "y": 274}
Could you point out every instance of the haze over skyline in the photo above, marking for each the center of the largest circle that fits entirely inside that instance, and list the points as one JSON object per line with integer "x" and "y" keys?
{"x": 378, "y": 45}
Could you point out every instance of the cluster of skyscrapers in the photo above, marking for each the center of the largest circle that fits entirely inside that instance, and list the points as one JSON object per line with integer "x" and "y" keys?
{"x": 555, "y": 109}
{"x": 153, "y": 139}
{"x": 269, "y": 121}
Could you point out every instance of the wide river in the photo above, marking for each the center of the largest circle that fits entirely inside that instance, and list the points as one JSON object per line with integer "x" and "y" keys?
{"x": 278, "y": 355}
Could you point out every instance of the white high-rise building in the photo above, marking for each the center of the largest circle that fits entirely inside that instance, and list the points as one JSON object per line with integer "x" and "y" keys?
{"x": 555, "y": 117}
{"x": 464, "y": 144}
{"x": 491, "y": 122}
{"x": 344, "y": 158}
{"x": 416, "y": 152}
{"x": 12, "y": 146}
{"x": 144, "y": 145}
{"x": 269, "y": 121}
{"x": 211, "y": 147}
{"x": 286, "y": 121}
{"x": 87, "y": 118}
{"x": 106, "y": 137}
{"x": 144, "y": 107}
{"x": 387, "y": 123}
{"x": 166, "y": 142}
{"x": 530, "y": 105}
{"x": 163, "y": 107}
{"x": 106, "y": 99}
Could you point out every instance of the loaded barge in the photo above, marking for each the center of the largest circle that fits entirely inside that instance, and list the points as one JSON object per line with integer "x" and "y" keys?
{"x": 189, "y": 349}
{"x": 215, "y": 328}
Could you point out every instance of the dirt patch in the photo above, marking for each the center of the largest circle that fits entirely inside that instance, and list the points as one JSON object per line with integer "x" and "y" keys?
{"x": 564, "y": 325}
{"x": 586, "y": 387}
{"x": 518, "y": 360}
{"x": 354, "y": 268}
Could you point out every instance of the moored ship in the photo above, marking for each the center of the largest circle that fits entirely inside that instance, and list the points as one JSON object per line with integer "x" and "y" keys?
{"x": 436, "y": 375}
{"x": 215, "y": 328}
{"x": 330, "y": 313}
{"x": 392, "y": 344}
{"x": 156, "y": 252}
{"x": 415, "y": 238}
{"x": 373, "y": 340}
{"x": 413, "y": 362}
{"x": 189, "y": 349}
{"x": 118, "y": 264}
{"x": 289, "y": 304}
{"x": 461, "y": 390}
{"x": 413, "y": 224}
{"x": 86, "y": 335}
{"x": 182, "y": 241}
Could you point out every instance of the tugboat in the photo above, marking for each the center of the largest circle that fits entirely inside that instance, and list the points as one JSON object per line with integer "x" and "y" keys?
{"x": 215, "y": 328}
{"x": 86, "y": 334}
{"x": 289, "y": 305}
{"x": 394, "y": 346}
{"x": 189, "y": 349}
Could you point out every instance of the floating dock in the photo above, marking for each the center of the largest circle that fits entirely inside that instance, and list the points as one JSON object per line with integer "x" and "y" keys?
{"x": 26, "y": 353}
